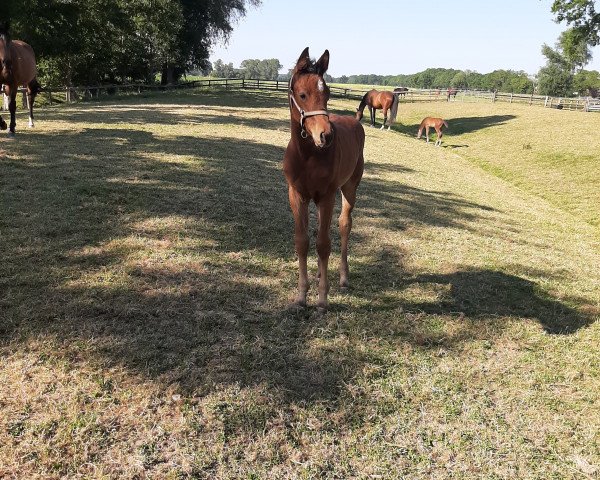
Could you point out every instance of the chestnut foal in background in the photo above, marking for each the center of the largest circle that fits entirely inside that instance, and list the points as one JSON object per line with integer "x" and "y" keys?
{"x": 324, "y": 154}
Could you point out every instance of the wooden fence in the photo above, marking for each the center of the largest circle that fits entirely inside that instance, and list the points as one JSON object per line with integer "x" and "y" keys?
{"x": 73, "y": 94}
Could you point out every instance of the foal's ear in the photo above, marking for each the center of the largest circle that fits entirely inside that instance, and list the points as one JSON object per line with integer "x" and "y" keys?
{"x": 303, "y": 61}
{"x": 323, "y": 63}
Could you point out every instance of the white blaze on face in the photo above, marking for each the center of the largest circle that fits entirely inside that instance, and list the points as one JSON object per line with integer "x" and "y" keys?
{"x": 320, "y": 85}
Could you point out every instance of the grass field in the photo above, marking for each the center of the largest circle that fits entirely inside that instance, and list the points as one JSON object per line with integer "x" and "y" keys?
{"x": 147, "y": 264}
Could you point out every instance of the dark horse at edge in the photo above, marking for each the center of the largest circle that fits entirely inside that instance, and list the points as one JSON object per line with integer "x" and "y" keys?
{"x": 324, "y": 155}
{"x": 374, "y": 99}
{"x": 17, "y": 67}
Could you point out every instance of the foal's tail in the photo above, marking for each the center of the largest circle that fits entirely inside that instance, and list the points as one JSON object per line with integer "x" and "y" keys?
{"x": 445, "y": 123}
{"x": 394, "y": 109}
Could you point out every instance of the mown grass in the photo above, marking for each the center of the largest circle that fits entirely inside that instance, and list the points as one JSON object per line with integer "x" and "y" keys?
{"x": 147, "y": 263}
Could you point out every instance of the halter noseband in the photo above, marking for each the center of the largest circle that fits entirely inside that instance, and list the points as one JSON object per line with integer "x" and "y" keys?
{"x": 304, "y": 114}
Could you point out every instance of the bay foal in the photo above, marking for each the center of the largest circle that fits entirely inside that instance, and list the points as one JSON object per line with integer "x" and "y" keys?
{"x": 324, "y": 154}
{"x": 437, "y": 123}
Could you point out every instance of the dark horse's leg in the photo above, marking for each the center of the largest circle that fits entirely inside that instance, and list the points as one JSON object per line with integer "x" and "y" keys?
{"x": 372, "y": 113}
{"x": 32, "y": 91}
{"x": 12, "y": 108}
{"x": 385, "y": 111}
{"x": 3, "y": 125}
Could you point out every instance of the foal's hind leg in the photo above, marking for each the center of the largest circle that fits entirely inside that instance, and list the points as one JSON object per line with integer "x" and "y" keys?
{"x": 345, "y": 220}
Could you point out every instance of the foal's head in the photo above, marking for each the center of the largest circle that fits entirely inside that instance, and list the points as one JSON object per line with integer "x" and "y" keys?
{"x": 309, "y": 94}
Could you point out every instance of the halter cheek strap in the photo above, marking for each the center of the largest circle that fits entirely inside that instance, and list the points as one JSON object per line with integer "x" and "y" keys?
{"x": 304, "y": 114}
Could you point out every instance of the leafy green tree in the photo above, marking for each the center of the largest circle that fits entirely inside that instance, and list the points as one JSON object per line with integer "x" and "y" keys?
{"x": 94, "y": 41}
{"x": 582, "y": 16}
{"x": 222, "y": 70}
{"x": 587, "y": 83}
{"x": 459, "y": 80}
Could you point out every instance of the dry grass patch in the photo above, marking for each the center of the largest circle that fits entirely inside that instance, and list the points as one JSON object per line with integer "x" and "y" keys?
{"x": 147, "y": 263}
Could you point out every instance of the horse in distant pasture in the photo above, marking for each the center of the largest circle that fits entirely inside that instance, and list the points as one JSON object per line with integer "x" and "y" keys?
{"x": 402, "y": 91}
{"x": 451, "y": 93}
{"x": 324, "y": 155}
{"x": 374, "y": 99}
{"x": 17, "y": 67}
{"x": 437, "y": 123}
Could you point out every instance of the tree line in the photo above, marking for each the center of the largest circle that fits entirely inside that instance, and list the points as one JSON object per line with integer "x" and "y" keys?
{"x": 88, "y": 42}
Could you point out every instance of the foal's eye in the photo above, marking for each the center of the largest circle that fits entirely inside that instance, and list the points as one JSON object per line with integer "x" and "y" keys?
{"x": 303, "y": 96}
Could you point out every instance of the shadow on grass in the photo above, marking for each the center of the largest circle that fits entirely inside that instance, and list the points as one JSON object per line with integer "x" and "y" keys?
{"x": 79, "y": 210}
{"x": 476, "y": 297}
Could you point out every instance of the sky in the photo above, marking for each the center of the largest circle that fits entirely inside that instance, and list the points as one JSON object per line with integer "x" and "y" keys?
{"x": 388, "y": 37}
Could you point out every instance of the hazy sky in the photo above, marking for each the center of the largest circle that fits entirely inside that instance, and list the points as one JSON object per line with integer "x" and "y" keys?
{"x": 386, "y": 37}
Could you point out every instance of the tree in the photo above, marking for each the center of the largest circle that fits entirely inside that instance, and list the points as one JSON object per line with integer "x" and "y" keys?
{"x": 222, "y": 70}
{"x": 204, "y": 22}
{"x": 574, "y": 48}
{"x": 555, "y": 80}
{"x": 587, "y": 83}
{"x": 459, "y": 80}
{"x": 569, "y": 55}
{"x": 94, "y": 41}
{"x": 582, "y": 15}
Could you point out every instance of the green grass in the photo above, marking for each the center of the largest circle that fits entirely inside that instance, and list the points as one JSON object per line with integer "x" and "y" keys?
{"x": 147, "y": 266}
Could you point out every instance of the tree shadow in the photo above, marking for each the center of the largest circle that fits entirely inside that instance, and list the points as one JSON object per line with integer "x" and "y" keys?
{"x": 479, "y": 301}
{"x": 81, "y": 206}
{"x": 133, "y": 114}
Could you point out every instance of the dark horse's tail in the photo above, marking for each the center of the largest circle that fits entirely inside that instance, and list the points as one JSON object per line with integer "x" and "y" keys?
{"x": 394, "y": 109}
{"x": 34, "y": 87}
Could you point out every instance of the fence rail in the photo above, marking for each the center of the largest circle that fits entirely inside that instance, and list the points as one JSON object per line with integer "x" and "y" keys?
{"x": 72, "y": 94}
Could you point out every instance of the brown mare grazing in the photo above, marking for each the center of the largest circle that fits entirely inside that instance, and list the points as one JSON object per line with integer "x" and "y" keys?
{"x": 325, "y": 153}
{"x": 437, "y": 123}
{"x": 17, "y": 67}
{"x": 375, "y": 99}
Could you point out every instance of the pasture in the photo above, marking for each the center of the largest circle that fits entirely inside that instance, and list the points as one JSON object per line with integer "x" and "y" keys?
{"x": 147, "y": 264}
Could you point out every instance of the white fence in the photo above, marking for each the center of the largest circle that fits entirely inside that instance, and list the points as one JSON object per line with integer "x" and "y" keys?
{"x": 73, "y": 94}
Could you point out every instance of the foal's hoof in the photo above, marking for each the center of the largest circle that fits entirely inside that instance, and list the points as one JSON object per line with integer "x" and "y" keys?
{"x": 3, "y": 125}
{"x": 11, "y": 134}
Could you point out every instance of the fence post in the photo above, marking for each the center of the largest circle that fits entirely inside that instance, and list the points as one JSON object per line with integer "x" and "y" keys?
{"x": 531, "y": 99}
{"x": 494, "y": 96}
{"x": 546, "y": 102}
{"x": 258, "y": 83}
{"x": 511, "y": 96}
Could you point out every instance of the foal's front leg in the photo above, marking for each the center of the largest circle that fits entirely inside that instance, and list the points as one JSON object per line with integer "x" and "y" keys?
{"x": 299, "y": 208}
{"x": 325, "y": 207}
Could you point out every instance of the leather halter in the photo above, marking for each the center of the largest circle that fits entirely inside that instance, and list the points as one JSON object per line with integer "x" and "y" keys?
{"x": 304, "y": 114}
